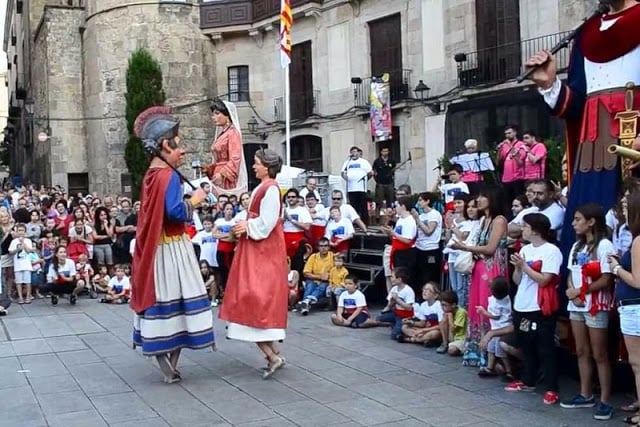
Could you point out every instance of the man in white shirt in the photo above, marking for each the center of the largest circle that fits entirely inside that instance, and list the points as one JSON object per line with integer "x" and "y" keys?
{"x": 543, "y": 202}
{"x": 356, "y": 171}
{"x": 311, "y": 186}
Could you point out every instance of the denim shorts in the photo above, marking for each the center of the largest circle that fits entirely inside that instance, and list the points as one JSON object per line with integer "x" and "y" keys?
{"x": 599, "y": 321}
{"x": 630, "y": 319}
{"x": 494, "y": 347}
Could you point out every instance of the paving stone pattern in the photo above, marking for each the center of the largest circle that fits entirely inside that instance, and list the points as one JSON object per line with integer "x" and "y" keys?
{"x": 73, "y": 366}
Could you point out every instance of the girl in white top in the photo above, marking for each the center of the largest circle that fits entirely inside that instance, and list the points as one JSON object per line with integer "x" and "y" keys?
{"x": 62, "y": 277}
{"x": 424, "y": 327}
{"x": 537, "y": 269}
{"x": 589, "y": 290}
{"x": 428, "y": 253}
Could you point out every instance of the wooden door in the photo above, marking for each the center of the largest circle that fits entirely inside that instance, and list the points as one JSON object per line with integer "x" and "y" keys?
{"x": 301, "y": 80}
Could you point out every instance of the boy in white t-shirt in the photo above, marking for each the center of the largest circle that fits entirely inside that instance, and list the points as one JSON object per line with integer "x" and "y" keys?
{"x": 454, "y": 187}
{"x": 207, "y": 242}
{"x": 352, "y": 305}
{"x": 399, "y": 304}
{"x": 119, "y": 288}
{"x": 19, "y": 248}
{"x": 498, "y": 312}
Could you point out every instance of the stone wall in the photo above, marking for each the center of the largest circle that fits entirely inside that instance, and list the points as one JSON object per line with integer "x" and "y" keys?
{"x": 171, "y": 33}
{"x": 57, "y": 69}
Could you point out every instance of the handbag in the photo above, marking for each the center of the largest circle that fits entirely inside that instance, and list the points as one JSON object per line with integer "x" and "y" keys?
{"x": 464, "y": 262}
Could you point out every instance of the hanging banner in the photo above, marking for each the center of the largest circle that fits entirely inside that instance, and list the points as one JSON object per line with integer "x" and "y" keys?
{"x": 380, "y": 108}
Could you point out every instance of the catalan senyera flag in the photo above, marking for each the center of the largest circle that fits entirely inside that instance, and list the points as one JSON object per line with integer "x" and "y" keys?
{"x": 286, "y": 20}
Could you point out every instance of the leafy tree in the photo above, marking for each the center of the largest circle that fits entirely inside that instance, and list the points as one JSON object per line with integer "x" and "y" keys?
{"x": 144, "y": 89}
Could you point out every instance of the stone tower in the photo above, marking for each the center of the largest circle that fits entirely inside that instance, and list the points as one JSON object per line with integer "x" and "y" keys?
{"x": 113, "y": 29}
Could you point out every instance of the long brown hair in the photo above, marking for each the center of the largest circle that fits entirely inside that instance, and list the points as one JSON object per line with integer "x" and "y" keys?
{"x": 633, "y": 213}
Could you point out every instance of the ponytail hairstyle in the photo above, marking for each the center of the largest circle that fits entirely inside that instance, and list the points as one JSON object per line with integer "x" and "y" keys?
{"x": 540, "y": 224}
{"x": 590, "y": 211}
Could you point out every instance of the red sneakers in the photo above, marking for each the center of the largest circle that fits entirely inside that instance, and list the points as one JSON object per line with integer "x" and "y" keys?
{"x": 550, "y": 398}
{"x": 519, "y": 386}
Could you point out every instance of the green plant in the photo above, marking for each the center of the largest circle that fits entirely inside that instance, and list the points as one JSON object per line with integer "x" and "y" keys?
{"x": 555, "y": 151}
{"x": 144, "y": 89}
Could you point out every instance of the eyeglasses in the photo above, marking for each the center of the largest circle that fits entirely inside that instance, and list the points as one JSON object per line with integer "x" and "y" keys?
{"x": 336, "y": 198}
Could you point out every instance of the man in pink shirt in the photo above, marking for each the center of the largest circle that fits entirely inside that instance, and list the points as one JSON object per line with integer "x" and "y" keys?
{"x": 535, "y": 156}
{"x": 511, "y": 156}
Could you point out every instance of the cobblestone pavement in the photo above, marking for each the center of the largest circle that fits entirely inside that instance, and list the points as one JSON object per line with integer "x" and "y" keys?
{"x": 74, "y": 366}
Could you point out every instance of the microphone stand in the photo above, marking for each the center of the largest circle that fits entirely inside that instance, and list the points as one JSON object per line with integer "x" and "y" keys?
{"x": 602, "y": 9}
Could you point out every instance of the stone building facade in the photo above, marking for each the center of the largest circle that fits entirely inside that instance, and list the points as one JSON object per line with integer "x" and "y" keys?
{"x": 345, "y": 49}
{"x": 76, "y": 80}
{"x": 77, "y": 84}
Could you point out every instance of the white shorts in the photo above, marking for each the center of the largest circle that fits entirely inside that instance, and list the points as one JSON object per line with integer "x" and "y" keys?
{"x": 386, "y": 260}
{"x": 22, "y": 277}
{"x": 630, "y": 319}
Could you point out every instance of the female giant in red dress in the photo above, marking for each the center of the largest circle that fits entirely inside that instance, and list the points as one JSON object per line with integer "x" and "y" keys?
{"x": 255, "y": 302}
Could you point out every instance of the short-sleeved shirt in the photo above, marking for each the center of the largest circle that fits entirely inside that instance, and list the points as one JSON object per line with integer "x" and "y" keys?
{"x": 545, "y": 258}
{"x": 535, "y": 170}
{"x": 66, "y": 270}
{"x": 502, "y": 308}
{"x": 604, "y": 249}
{"x": 299, "y": 214}
{"x": 460, "y": 320}
{"x": 432, "y": 314}
{"x": 351, "y": 302}
{"x": 432, "y": 241}
{"x": 317, "y": 264}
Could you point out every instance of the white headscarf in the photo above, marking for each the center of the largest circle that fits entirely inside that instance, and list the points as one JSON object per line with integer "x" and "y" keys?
{"x": 243, "y": 181}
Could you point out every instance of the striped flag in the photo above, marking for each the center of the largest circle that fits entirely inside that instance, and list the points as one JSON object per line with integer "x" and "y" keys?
{"x": 286, "y": 20}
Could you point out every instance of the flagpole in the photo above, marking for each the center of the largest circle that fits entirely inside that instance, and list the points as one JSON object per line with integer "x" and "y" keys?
{"x": 287, "y": 115}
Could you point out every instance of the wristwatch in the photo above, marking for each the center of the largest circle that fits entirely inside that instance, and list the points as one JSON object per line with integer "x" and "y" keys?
{"x": 616, "y": 270}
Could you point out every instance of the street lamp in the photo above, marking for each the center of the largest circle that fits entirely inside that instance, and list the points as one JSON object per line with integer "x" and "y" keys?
{"x": 420, "y": 90}
{"x": 29, "y": 105}
{"x": 422, "y": 93}
{"x": 197, "y": 168}
{"x": 253, "y": 127}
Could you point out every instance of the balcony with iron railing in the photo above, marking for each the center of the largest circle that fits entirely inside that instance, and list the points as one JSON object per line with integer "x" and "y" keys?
{"x": 502, "y": 63}
{"x": 303, "y": 104}
{"x": 400, "y": 88}
{"x": 231, "y": 13}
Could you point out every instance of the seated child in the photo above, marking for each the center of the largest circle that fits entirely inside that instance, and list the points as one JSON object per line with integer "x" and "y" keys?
{"x": 119, "y": 288}
{"x": 293, "y": 283}
{"x": 209, "y": 282}
{"x": 84, "y": 272}
{"x": 399, "y": 306}
{"x": 424, "y": 327}
{"x": 100, "y": 281}
{"x": 337, "y": 275}
{"x": 499, "y": 314}
{"x": 352, "y": 305}
{"x": 453, "y": 327}
{"x": 37, "y": 272}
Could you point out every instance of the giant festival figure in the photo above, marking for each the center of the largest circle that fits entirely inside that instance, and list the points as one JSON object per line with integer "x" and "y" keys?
{"x": 598, "y": 101}
{"x": 169, "y": 298}
{"x": 228, "y": 172}
{"x": 255, "y": 301}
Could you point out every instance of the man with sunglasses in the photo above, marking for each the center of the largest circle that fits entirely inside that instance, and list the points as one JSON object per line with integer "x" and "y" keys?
{"x": 297, "y": 220}
{"x": 346, "y": 210}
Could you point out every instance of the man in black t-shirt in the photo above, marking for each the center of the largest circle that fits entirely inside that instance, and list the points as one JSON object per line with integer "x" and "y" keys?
{"x": 384, "y": 174}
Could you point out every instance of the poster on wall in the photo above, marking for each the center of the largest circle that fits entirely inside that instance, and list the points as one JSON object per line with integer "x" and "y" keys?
{"x": 380, "y": 108}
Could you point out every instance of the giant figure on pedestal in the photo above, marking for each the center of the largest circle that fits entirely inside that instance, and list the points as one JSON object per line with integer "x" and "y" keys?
{"x": 605, "y": 61}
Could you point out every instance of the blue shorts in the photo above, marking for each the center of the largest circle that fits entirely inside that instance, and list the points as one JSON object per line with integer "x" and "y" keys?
{"x": 359, "y": 320}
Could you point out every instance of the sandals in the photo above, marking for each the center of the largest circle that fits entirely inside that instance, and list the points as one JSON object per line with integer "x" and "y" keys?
{"x": 632, "y": 407}
{"x": 485, "y": 372}
{"x": 170, "y": 375}
{"x": 632, "y": 419}
{"x": 273, "y": 367}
